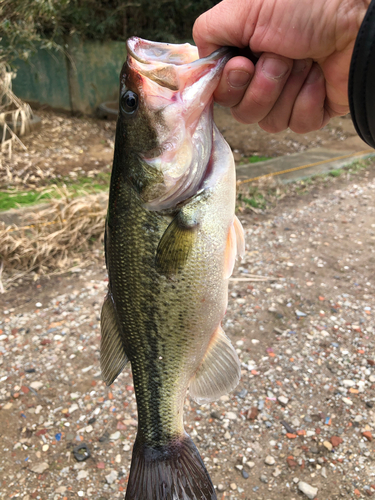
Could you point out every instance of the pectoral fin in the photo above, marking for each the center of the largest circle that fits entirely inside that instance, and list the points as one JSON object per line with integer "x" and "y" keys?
{"x": 112, "y": 354}
{"x": 176, "y": 244}
{"x": 219, "y": 372}
{"x": 235, "y": 246}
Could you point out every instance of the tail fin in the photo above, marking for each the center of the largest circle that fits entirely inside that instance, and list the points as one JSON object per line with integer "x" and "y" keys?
{"x": 172, "y": 472}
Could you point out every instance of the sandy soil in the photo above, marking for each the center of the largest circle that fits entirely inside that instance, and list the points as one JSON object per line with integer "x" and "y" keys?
{"x": 301, "y": 316}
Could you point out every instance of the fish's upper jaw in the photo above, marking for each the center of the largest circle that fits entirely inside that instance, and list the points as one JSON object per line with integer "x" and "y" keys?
{"x": 147, "y": 52}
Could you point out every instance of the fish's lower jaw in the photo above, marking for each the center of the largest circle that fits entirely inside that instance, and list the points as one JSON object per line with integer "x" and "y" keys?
{"x": 184, "y": 167}
{"x": 170, "y": 472}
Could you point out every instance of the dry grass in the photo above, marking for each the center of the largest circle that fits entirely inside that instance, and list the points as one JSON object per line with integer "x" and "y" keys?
{"x": 54, "y": 239}
{"x": 15, "y": 115}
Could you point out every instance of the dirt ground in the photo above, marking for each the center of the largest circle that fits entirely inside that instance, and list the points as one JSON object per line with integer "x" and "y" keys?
{"x": 300, "y": 314}
{"x": 69, "y": 146}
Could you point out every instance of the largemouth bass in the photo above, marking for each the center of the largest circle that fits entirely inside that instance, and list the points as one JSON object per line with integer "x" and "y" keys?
{"x": 171, "y": 242}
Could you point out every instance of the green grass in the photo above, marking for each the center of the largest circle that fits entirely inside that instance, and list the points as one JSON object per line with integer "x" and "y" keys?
{"x": 14, "y": 199}
{"x": 255, "y": 199}
{"x": 77, "y": 187}
{"x": 256, "y": 159}
{"x": 253, "y": 159}
{"x": 335, "y": 173}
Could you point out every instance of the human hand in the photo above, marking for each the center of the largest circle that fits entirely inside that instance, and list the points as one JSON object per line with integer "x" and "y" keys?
{"x": 305, "y": 46}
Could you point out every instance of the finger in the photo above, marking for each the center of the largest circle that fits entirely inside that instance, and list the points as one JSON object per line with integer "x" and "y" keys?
{"x": 225, "y": 24}
{"x": 271, "y": 74}
{"x": 308, "y": 111}
{"x": 234, "y": 81}
{"x": 279, "y": 117}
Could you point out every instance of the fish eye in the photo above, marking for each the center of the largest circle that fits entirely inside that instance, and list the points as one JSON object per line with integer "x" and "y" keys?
{"x": 129, "y": 102}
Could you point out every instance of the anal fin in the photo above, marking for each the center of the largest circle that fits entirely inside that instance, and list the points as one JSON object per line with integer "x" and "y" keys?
{"x": 112, "y": 354}
{"x": 219, "y": 372}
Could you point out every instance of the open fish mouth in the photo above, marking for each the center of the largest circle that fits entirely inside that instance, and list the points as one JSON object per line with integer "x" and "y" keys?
{"x": 178, "y": 86}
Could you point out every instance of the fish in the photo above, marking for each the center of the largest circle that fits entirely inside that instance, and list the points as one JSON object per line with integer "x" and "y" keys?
{"x": 171, "y": 242}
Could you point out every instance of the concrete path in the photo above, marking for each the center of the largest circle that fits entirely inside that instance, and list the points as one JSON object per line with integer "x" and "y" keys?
{"x": 319, "y": 161}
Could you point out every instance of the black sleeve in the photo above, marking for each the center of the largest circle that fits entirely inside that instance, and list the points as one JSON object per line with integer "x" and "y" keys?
{"x": 362, "y": 79}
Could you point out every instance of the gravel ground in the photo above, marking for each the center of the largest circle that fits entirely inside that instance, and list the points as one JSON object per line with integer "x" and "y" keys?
{"x": 299, "y": 425}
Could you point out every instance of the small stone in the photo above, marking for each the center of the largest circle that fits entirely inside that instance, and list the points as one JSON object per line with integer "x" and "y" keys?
{"x": 116, "y": 435}
{"x": 36, "y": 385}
{"x": 118, "y": 459}
{"x": 245, "y": 474}
{"x": 252, "y": 414}
{"x": 276, "y": 472}
{"x": 347, "y": 401}
{"x": 328, "y": 445}
{"x": 39, "y": 468}
{"x": 82, "y": 474}
{"x": 336, "y": 441}
{"x": 263, "y": 478}
{"x": 308, "y": 490}
{"x": 283, "y": 400}
{"x": 220, "y": 487}
{"x": 126, "y": 447}
{"x": 227, "y": 435}
{"x": 233, "y": 486}
{"x": 372, "y": 378}
{"x": 242, "y": 394}
{"x": 45, "y": 447}
{"x": 231, "y": 415}
{"x": 324, "y": 472}
{"x": 348, "y": 383}
{"x": 367, "y": 435}
{"x": 111, "y": 477}
{"x": 300, "y": 314}
{"x": 216, "y": 414}
{"x": 269, "y": 460}
{"x": 250, "y": 464}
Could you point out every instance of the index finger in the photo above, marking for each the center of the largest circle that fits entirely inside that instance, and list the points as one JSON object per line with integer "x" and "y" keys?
{"x": 223, "y": 25}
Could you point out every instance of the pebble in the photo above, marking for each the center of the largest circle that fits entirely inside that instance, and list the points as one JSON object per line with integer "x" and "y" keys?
{"x": 82, "y": 474}
{"x": 328, "y": 445}
{"x": 233, "y": 486}
{"x": 283, "y": 400}
{"x": 308, "y": 490}
{"x": 116, "y": 435}
{"x": 39, "y": 468}
{"x": 231, "y": 415}
{"x": 221, "y": 487}
{"x": 36, "y": 385}
{"x": 111, "y": 477}
{"x": 269, "y": 460}
{"x": 347, "y": 401}
{"x": 250, "y": 464}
